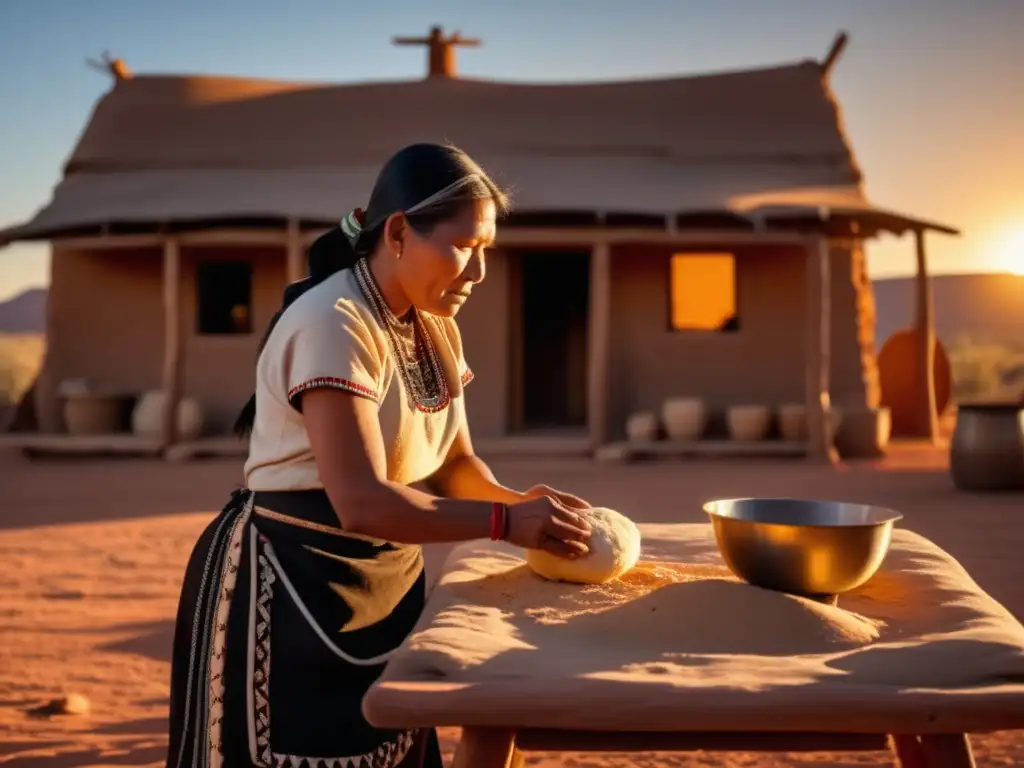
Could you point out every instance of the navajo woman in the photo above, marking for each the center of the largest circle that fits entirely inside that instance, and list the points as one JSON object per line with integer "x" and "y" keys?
{"x": 311, "y": 576}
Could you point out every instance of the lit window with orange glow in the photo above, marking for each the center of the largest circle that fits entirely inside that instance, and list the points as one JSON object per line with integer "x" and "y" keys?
{"x": 702, "y": 292}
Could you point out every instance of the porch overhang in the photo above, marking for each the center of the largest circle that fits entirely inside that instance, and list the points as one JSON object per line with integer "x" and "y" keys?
{"x": 855, "y": 221}
{"x": 586, "y": 191}
{"x": 844, "y": 222}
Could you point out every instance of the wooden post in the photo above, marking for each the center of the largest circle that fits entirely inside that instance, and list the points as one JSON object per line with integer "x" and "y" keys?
{"x": 45, "y": 391}
{"x": 599, "y": 344}
{"x": 947, "y": 750}
{"x": 172, "y": 340}
{"x": 819, "y": 354}
{"x": 516, "y": 346}
{"x": 295, "y": 269}
{"x": 928, "y": 417}
{"x": 487, "y": 748}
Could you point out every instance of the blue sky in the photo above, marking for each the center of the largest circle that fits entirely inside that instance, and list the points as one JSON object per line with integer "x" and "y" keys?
{"x": 927, "y": 86}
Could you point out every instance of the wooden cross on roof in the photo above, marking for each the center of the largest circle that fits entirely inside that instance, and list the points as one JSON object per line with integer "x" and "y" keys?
{"x": 115, "y": 67}
{"x": 440, "y": 50}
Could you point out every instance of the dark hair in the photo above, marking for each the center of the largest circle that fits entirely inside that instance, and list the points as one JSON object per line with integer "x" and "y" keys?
{"x": 429, "y": 183}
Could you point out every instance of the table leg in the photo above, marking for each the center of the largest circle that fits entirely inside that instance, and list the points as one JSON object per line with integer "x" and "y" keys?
{"x": 947, "y": 750}
{"x": 908, "y": 750}
{"x": 487, "y": 748}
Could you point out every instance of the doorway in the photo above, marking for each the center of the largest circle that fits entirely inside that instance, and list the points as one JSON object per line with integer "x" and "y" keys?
{"x": 555, "y": 292}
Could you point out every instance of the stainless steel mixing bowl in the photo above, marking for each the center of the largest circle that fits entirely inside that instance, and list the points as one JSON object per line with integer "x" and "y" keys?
{"x": 802, "y": 546}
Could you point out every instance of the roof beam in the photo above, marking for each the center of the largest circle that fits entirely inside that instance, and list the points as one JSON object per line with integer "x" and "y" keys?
{"x": 838, "y": 46}
{"x": 115, "y": 67}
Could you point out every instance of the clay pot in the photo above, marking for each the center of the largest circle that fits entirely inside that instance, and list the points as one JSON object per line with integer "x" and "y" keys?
{"x": 897, "y": 376}
{"x": 793, "y": 421}
{"x": 684, "y": 418}
{"x": 862, "y": 433}
{"x": 73, "y": 388}
{"x": 147, "y": 418}
{"x": 748, "y": 423}
{"x": 987, "y": 450}
{"x": 86, "y": 414}
{"x": 642, "y": 427}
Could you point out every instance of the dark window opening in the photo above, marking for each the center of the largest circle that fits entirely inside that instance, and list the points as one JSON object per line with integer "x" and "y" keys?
{"x": 224, "y": 298}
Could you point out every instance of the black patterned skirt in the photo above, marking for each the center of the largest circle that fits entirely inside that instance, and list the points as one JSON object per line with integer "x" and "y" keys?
{"x": 283, "y": 625}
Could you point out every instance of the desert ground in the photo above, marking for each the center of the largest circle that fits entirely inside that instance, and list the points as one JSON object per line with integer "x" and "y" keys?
{"x": 92, "y": 553}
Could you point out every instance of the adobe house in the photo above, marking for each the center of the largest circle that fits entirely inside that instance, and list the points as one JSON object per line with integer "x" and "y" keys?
{"x": 703, "y": 238}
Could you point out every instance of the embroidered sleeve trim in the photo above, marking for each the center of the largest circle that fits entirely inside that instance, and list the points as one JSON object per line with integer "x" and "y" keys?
{"x": 333, "y": 383}
{"x": 467, "y": 376}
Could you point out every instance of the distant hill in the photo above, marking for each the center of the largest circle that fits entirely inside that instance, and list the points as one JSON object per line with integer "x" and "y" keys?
{"x": 25, "y": 313}
{"x": 989, "y": 308}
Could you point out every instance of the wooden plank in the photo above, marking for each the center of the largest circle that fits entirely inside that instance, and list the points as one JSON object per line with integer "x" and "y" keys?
{"x": 819, "y": 351}
{"x": 583, "y": 236}
{"x": 223, "y": 236}
{"x": 295, "y": 265}
{"x": 544, "y": 740}
{"x": 172, "y": 340}
{"x": 924, "y": 319}
{"x": 109, "y": 242}
{"x": 535, "y": 444}
{"x": 58, "y": 444}
{"x": 569, "y": 237}
{"x": 599, "y": 344}
{"x": 234, "y": 237}
{"x": 208, "y": 447}
{"x": 705, "y": 449}
{"x": 572, "y": 238}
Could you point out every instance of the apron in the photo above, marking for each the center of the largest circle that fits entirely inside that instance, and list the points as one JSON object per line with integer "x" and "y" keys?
{"x": 283, "y": 625}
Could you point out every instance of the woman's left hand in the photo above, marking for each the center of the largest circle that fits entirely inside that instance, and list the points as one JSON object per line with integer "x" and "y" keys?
{"x": 566, "y": 499}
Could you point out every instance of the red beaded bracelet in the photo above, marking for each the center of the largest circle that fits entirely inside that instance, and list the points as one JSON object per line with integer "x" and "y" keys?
{"x": 499, "y": 521}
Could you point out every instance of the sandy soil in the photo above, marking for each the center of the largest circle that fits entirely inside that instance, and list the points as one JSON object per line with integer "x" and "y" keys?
{"x": 91, "y": 556}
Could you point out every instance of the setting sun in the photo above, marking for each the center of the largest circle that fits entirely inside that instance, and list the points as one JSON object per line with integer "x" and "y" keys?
{"x": 1009, "y": 253}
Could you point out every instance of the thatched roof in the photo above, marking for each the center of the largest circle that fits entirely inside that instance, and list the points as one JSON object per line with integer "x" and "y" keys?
{"x": 771, "y": 116}
{"x": 161, "y": 149}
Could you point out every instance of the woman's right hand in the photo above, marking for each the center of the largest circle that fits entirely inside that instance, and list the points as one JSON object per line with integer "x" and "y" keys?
{"x": 544, "y": 523}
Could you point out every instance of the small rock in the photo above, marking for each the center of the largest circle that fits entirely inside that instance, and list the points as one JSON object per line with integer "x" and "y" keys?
{"x": 72, "y": 704}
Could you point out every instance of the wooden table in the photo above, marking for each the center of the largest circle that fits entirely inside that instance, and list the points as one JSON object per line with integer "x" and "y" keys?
{"x": 949, "y": 660}
{"x": 504, "y": 747}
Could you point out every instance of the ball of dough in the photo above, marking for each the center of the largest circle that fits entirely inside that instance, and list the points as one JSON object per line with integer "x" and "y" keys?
{"x": 614, "y": 549}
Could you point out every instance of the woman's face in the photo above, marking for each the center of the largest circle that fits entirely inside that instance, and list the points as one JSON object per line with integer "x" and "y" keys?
{"x": 437, "y": 271}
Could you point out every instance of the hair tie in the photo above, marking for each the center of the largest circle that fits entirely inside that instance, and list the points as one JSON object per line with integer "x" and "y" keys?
{"x": 352, "y": 225}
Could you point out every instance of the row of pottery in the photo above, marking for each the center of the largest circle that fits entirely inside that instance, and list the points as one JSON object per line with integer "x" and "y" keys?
{"x": 92, "y": 413}
{"x": 987, "y": 449}
{"x": 857, "y": 432}
{"x": 687, "y": 419}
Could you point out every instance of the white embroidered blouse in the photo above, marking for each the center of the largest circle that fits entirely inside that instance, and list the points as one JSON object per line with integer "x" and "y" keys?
{"x": 341, "y": 334}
